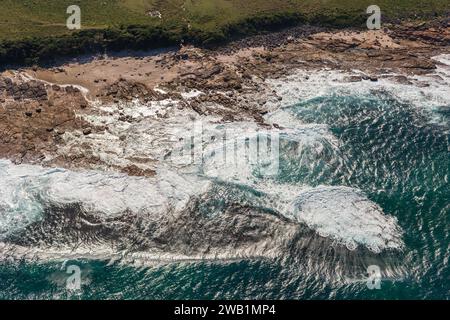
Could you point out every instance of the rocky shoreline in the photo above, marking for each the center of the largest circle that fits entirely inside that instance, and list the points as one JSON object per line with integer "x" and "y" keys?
{"x": 44, "y": 113}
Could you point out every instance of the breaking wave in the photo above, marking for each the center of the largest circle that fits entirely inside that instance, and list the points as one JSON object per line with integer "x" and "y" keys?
{"x": 61, "y": 213}
{"x": 314, "y": 202}
{"x": 347, "y": 215}
{"x": 428, "y": 94}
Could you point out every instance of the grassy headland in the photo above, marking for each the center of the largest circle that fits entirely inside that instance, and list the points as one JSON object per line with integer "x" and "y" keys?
{"x": 34, "y": 30}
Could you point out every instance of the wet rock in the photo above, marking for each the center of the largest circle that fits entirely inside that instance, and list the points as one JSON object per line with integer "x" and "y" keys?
{"x": 72, "y": 90}
{"x": 402, "y": 80}
{"x": 32, "y": 90}
{"x": 133, "y": 170}
{"x": 210, "y": 71}
{"x": 184, "y": 56}
{"x": 353, "y": 79}
{"x": 126, "y": 90}
{"x": 420, "y": 64}
{"x": 87, "y": 131}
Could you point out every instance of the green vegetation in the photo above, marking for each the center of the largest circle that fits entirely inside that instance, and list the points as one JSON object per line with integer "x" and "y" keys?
{"x": 34, "y": 30}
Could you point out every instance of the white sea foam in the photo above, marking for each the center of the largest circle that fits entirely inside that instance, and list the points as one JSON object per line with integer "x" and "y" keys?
{"x": 339, "y": 213}
{"x": 152, "y": 137}
{"x": 348, "y": 216}
{"x": 428, "y": 92}
{"x": 192, "y": 94}
{"x": 25, "y": 189}
{"x": 161, "y": 128}
{"x": 444, "y": 66}
{"x": 253, "y": 154}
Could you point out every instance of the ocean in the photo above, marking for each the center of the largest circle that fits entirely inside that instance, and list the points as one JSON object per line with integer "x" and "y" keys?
{"x": 361, "y": 180}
